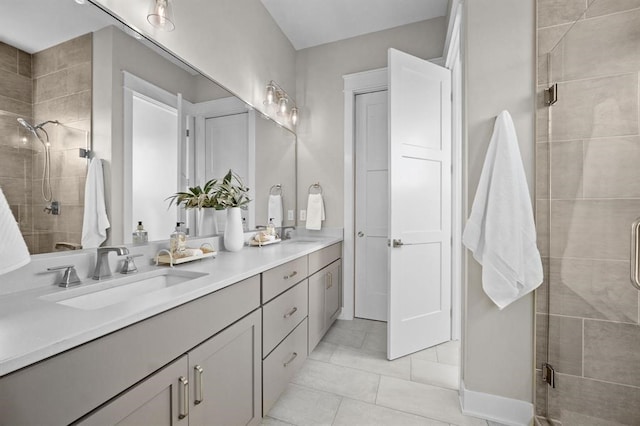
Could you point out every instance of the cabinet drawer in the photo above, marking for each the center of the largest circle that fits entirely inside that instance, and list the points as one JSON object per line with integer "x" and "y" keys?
{"x": 283, "y": 277}
{"x": 282, "y": 314}
{"x": 282, "y": 364}
{"x": 321, "y": 258}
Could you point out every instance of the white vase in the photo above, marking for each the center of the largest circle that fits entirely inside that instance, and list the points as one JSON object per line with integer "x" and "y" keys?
{"x": 233, "y": 233}
{"x": 207, "y": 223}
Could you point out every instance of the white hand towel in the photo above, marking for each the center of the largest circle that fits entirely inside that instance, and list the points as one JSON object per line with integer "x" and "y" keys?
{"x": 95, "y": 222}
{"x": 501, "y": 231}
{"x": 315, "y": 212}
{"x": 275, "y": 210}
{"x": 14, "y": 253}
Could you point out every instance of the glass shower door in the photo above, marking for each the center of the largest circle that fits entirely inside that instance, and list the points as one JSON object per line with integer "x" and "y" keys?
{"x": 589, "y": 177}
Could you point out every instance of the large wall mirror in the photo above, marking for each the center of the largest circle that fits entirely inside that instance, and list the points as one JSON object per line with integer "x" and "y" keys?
{"x": 83, "y": 80}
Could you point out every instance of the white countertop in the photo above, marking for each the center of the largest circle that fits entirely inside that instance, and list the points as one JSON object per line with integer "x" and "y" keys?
{"x": 33, "y": 329}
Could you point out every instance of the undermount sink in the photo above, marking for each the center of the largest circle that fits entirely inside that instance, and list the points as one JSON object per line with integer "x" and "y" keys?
{"x": 117, "y": 290}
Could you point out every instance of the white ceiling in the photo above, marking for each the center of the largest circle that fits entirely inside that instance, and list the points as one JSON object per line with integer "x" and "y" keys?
{"x": 310, "y": 23}
{"x": 36, "y": 25}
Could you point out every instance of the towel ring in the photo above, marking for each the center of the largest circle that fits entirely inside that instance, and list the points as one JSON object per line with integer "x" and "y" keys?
{"x": 275, "y": 190}
{"x": 315, "y": 186}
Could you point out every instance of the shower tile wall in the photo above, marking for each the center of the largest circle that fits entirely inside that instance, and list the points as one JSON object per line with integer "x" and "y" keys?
{"x": 15, "y": 155}
{"x": 588, "y": 154}
{"x": 62, "y": 91}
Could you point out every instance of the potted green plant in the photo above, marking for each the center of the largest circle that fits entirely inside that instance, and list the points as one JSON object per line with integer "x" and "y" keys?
{"x": 232, "y": 194}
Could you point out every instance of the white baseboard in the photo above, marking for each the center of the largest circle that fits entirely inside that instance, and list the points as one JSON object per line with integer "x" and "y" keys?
{"x": 507, "y": 411}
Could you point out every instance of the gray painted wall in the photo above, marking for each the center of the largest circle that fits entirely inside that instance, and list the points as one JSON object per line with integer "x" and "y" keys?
{"x": 319, "y": 72}
{"x": 499, "y": 68}
{"x": 236, "y": 43}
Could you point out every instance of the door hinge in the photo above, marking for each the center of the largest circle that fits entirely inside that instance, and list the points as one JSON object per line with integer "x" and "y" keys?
{"x": 187, "y": 132}
{"x": 551, "y": 95}
{"x": 549, "y": 375}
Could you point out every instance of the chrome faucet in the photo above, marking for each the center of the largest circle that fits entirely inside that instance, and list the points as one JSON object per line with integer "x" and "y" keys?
{"x": 285, "y": 232}
{"x": 103, "y": 270}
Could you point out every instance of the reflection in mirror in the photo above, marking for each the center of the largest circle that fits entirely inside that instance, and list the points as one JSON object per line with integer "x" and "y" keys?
{"x": 158, "y": 125}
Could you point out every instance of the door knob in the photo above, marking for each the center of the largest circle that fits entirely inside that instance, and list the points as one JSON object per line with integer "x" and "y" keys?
{"x": 360, "y": 234}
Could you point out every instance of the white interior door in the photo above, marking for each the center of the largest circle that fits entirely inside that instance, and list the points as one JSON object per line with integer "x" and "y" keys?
{"x": 420, "y": 204}
{"x": 372, "y": 197}
{"x": 226, "y": 147}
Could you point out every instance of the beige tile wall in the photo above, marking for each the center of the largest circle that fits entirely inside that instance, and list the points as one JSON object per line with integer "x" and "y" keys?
{"x": 588, "y": 193}
{"x": 15, "y": 155}
{"x": 62, "y": 92}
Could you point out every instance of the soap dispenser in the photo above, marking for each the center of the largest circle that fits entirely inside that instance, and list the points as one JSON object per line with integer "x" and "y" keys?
{"x": 271, "y": 228}
{"x": 140, "y": 235}
{"x": 178, "y": 241}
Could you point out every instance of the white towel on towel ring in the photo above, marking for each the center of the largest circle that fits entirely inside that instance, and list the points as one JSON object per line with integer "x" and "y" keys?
{"x": 315, "y": 212}
{"x": 501, "y": 231}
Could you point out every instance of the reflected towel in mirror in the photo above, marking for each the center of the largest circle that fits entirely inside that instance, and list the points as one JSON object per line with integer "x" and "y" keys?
{"x": 13, "y": 250}
{"x": 275, "y": 210}
{"x": 95, "y": 222}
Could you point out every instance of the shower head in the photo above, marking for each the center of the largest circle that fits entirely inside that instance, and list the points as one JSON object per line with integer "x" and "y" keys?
{"x": 24, "y": 123}
{"x": 34, "y": 129}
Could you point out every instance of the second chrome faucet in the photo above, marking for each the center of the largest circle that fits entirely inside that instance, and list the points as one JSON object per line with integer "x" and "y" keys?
{"x": 103, "y": 270}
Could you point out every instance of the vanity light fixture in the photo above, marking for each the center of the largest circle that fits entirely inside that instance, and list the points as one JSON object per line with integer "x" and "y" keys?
{"x": 271, "y": 94}
{"x": 161, "y": 15}
{"x": 275, "y": 94}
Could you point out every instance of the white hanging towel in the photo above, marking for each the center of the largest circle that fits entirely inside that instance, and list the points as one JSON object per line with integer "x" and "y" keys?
{"x": 315, "y": 212}
{"x": 275, "y": 210}
{"x": 14, "y": 253}
{"x": 501, "y": 232}
{"x": 95, "y": 222}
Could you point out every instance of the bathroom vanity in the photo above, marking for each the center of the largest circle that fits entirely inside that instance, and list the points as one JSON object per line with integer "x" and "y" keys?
{"x": 219, "y": 348}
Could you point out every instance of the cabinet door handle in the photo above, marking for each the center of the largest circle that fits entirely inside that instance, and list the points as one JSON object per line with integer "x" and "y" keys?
{"x": 197, "y": 378}
{"x": 293, "y": 356}
{"x": 183, "y": 398}
{"x": 291, "y": 312}
{"x": 291, "y": 275}
{"x": 330, "y": 278}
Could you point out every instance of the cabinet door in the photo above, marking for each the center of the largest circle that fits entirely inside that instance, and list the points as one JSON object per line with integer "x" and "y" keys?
{"x": 333, "y": 292}
{"x": 158, "y": 400}
{"x": 226, "y": 375}
{"x": 316, "y": 308}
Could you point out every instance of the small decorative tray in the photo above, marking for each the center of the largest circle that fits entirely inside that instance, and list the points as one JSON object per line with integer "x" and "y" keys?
{"x": 165, "y": 258}
{"x": 207, "y": 251}
{"x": 254, "y": 243}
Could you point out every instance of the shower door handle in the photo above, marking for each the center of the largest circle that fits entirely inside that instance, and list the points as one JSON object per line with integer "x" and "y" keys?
{"x": 635, "y": 253}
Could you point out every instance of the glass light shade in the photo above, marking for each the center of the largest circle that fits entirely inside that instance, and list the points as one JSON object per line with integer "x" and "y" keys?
{"x": 294, "y": 116}
{"x": 282, "y": 105}
{"x": 271, "y": 94}
{"x": 161, "y": 15}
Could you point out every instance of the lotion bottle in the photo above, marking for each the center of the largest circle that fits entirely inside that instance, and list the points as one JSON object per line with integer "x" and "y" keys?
{"x": 178, "y": 241}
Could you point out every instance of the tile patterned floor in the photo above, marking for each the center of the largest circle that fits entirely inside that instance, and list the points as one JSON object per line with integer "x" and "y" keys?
{"x": 347, "y": 380}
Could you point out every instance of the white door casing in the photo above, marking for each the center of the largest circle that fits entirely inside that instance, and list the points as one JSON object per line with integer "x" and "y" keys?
{"x": 371, "y": 135}
{"x": 419, "y": 313}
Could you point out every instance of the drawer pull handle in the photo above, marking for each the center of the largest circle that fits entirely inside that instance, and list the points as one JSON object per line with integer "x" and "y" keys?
{"x": 183, "y": 398}
{"x": 197, "y": 375}
{"x": 291, "y": 275}
{"x": 295, "y": 354}
{"x": 291, "y": 312}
